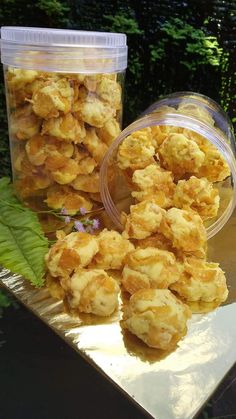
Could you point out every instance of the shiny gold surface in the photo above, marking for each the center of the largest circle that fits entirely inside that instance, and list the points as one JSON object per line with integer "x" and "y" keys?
{"x": 168, "y": 385}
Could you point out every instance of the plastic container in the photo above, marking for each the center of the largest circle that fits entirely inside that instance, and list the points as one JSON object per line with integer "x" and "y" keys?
{"x": 202, "y": 121}
{"x": 64, "y": 99}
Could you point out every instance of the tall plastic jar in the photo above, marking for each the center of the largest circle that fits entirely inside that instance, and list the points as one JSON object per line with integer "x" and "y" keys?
{"x": 64, "y": 99}
{"x": 189, "y": 139}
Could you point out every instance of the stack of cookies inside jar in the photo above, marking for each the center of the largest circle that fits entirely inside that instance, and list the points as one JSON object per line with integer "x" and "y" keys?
{"x": 61, "y": 125}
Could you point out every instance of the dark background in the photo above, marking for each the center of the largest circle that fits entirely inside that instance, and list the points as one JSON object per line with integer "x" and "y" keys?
{"x": 173, "y": 46}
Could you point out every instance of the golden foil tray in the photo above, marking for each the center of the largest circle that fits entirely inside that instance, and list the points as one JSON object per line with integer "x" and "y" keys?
{"x": 167, "y": 385}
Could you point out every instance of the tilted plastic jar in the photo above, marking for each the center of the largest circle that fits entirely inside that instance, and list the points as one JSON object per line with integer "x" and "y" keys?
{"x": 64, "y": 98}
{"x": 200, "y": 120}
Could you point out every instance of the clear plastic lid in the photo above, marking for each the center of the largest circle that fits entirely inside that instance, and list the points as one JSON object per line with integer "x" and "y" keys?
{"x": 63, "y": 50}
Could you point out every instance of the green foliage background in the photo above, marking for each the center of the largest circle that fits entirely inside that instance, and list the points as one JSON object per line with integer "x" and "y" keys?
{"x": 173, "y": 46}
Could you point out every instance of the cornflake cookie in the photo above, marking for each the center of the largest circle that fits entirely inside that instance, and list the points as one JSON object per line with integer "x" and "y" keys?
{"x": 52, "y": 98}
{"x": 71, "y": 252}
{"x": 22, "y": 164}
{"x": 54, "y": 286}
{"x": 198, "y": 195}
{"x": 17, "y": 78}
{"x": 36, "y": 150}
{"x": 157, "y": 317}
{"x": 214, "y": 166}
{"x": 112, "y": 250}
{"x": 155, "y": 240}
{"x": 194, "y": 110}
{"x": 95, "y": 112}
{"x": 155, "y": 183}
{"x": 150, "y": 268}
{"x": 59, "y": 197}
{"x": 109, "y": 91}
{"x": 63, "y": 170}
{"x": 28, "y": 174}
{"x": 66, "y": 128}
{"x": 91, "y": 291}
{"x": 137, "y": 150}
{"x": 54, "y": 146}
{"x": 87, "y": 183}
{"x": 144, "y": 219}
{"x": 46, "y": 150}
{"x": 95, "y": 145}
{"x": 109, "y": 131}
{"x": 24, "y": 124}
{"x": 86, "y": 163}
{"x": 185, "y": 229}
{"x": 159, "y": 133}
{"x": 180, "y": 155}
{"x": 91, "y": 81}
{"x": 27, "y": 186}
{"x": 202, "y": 281}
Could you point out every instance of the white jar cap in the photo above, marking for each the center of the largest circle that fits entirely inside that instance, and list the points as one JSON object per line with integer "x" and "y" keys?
{"x": 63, "y": 50}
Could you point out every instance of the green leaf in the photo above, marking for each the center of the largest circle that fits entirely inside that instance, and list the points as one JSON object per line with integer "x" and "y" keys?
{"x": 7, "y": 193}
{"x": 22, "y": 243}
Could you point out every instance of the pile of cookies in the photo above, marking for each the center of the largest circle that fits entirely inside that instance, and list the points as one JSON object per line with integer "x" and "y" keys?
{"x": 79, "y": 270}
{"x": 171, "y": 173}
{"x": 61, "y": 125}
{"x": 160, "y": 282}
{"x": 161, "y": 254}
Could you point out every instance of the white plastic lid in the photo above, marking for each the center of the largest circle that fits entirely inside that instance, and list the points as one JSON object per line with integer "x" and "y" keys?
{"x": 47, "y": 36}
{"x": 63, "y": 50}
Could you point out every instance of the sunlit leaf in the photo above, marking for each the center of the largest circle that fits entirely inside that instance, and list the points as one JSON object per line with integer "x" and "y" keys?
{"x": 22, "y": 243}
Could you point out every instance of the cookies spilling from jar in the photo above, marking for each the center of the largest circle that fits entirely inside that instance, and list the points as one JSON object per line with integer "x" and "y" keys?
{"x": 160, "y": 258}
{"x": 61, "y": 125}
{"x": 161, "y": 253}
{"x": 171, "y": 174}
{"x": 174, "y": 167}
